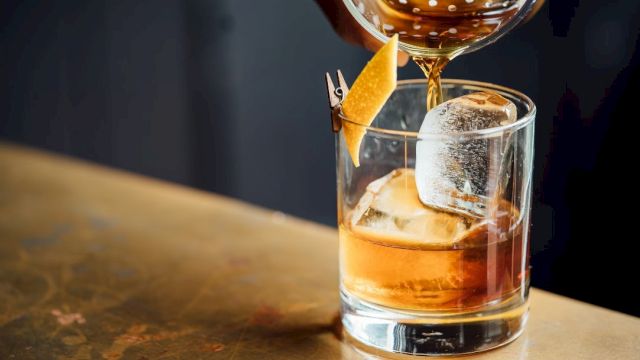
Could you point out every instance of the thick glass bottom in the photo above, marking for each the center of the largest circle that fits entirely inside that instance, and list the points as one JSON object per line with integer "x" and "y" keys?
{"x": 435, "y": 334}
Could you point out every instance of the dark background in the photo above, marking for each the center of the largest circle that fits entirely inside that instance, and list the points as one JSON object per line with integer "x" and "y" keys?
{"x": 228, "y": 96}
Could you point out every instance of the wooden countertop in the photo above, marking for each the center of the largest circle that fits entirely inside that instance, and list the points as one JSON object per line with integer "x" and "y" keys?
{"x": 101, "y": 264}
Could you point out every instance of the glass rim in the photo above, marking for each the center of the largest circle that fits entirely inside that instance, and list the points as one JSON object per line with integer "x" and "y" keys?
{"x": 414, "y": 50}
{"x": 521, "y": 122}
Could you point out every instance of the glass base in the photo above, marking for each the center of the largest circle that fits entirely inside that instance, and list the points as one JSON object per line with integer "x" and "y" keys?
{"x": 436, "y": 334}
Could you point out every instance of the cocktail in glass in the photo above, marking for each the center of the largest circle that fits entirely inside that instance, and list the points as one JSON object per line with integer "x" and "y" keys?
{"x": 435, "y": 262}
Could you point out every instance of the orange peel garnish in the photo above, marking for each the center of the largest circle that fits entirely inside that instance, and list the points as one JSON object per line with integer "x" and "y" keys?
{"x": 367, "y": 96}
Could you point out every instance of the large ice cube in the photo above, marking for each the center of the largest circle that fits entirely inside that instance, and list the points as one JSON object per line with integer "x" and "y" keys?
{"x": 459, "y": 174}
{"x": 390, "y": 208}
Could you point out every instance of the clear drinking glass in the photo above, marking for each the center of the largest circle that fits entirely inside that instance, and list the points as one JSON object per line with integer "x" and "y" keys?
{"x": 435, "y": 280}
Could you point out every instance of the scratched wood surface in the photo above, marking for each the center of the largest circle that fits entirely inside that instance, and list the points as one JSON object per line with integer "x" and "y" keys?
{"x": 101, "y": 264}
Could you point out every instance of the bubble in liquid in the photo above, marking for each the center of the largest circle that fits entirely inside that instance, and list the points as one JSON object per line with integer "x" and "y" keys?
{"x": 452, "y": 8}
{"x": 433, "y": 3}
{"x": 453, "y": 31}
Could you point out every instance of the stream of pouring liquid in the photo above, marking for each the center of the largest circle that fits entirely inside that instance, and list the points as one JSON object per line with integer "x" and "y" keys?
{"x": 432, "y": 68}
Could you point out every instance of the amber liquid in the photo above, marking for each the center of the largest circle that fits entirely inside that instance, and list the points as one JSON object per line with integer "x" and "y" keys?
{"x": 432, "y": 261}
{"x": 435, "y": 31}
